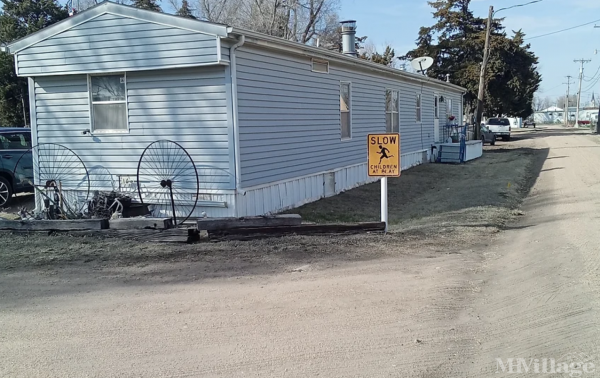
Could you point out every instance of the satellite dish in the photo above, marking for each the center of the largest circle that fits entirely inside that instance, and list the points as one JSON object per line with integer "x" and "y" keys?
{"x": 421, "y": 64}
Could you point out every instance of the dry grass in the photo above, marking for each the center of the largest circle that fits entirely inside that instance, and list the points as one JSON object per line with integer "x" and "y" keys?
{"x": 434, "y": 208}
{"x": 482, "y": 193}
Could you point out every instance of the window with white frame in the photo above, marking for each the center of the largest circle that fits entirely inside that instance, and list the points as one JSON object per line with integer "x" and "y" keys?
{"x": 436, "y": 106}
{"x": 418, "y": 107}
{"x": 346, "y": 110}
{"x": 392, "y": 118}
{"x": 109, "y": 103}
{"x": 321, "y": 66}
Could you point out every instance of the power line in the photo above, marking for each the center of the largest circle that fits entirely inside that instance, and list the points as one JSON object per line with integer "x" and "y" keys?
{"x": 559, "y": 85}
{"x": 560, "y": 31}
{"x": 592, "y": 85}
{"x": 593, "y": 77}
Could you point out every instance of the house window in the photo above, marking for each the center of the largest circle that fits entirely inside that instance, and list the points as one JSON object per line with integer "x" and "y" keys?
{"x": 449, "y": 107}
{"x": 419, "y": 108}
{"x": 392, "y": 119}
{"x": 320, "y": 66}
{"x": 109, "y": 103}
{"x": 346, "y": 110}
{"x": 436, "y": 107}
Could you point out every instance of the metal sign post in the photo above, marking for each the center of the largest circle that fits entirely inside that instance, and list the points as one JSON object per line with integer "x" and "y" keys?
{"x": 384, "y": 161}
{"x": 384, "y": 202}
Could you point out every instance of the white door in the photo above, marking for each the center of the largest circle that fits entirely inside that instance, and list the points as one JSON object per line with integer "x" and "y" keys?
{"x": 436, "y": 119}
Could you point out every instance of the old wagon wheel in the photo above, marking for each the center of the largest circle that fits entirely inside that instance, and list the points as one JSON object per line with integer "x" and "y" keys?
{"x": 58, "y": 175}
{"x": 167, "y": 180}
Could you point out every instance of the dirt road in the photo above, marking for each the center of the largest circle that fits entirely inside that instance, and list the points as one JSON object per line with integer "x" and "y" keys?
{"x": 540, "y": 293}
{"x": 531, "y": 291}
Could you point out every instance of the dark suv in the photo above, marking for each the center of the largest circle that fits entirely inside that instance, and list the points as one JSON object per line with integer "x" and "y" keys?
{"x": 15, "y": 144}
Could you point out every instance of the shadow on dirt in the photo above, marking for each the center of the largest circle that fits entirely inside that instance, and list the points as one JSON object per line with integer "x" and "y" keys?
{"x": 435, "y": 209}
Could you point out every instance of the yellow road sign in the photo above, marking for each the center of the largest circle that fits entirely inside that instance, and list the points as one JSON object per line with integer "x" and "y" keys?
{"x": 384, "y": 155}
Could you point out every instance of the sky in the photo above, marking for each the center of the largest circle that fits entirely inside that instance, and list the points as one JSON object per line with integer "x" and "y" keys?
{"x": 397, "y": 23}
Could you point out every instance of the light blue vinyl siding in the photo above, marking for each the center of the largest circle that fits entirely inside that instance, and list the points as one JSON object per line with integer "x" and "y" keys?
{"x": 110, "y": 43}
{"x": 188, "y": 106}
{"x": 457, "y": 110}
{"x": 289, "y": 116}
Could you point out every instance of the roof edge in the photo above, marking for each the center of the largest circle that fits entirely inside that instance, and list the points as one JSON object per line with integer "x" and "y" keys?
{"x": 265, "y": 40}
{"x": 106, "y": 7}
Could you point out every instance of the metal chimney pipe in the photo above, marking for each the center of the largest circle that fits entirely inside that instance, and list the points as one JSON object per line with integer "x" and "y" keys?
{"x": 349, "y": 37}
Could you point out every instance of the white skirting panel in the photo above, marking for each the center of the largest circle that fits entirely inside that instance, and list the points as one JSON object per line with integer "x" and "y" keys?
{"x": 280, "y": 196}
{"x": 474, "y": 150}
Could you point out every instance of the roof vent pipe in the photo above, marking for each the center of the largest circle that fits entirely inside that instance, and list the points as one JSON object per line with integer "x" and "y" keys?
{"x": 348, "y": 37}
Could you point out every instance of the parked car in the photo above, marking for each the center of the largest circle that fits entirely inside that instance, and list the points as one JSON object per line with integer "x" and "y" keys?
{"x": 500, "y": 127}
{"x": 487, "y": 136}
{"x": 528, "y": 123}
{"x": 15, "y": 145}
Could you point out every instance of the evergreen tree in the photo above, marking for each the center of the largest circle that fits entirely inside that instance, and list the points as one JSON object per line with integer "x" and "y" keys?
{"x": 18, "y": 19}
{"x": 386, "y": 59}
{"x": 456, "y": 43}
{"x": 147, "y": 4}
{"x": 185, "y": 10}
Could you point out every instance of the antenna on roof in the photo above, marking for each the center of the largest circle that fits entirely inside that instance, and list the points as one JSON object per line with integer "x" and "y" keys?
{"x": 421, "y": 64}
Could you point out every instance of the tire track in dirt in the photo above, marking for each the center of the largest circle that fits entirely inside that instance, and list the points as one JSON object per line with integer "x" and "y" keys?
{"x": 542, "y": 296}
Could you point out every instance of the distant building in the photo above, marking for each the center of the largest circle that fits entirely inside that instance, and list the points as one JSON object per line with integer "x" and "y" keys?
{"x": 552, "y": 114}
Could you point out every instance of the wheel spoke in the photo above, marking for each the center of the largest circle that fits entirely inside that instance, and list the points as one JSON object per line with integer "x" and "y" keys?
{"x": 167, "y": 160}
{"x": 53, "y": 162}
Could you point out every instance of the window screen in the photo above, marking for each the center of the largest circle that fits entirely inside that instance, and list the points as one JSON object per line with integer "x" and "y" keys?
{"x": 109, "y": 106}
{"x": 345, "y": 110}
{"x": 392, "y": 117}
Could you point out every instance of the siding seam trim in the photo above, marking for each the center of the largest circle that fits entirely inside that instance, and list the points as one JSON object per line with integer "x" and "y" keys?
{"x": 152, "y": 68}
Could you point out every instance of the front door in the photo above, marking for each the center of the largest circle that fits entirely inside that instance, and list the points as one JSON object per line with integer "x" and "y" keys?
{"x": 436, "y": 119}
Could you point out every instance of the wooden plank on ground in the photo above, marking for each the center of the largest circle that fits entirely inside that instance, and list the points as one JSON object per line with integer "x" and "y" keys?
{"x": 140, "y": 223}
{"x": 212, "y": 224}
{"x": 305, "y": 229}
{"x": 54, "y": 225}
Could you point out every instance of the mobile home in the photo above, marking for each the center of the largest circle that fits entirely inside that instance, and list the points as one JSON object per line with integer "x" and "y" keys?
{"x": 270, "y": 124}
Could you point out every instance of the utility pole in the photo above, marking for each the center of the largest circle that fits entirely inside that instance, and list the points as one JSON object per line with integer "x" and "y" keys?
{"x": 582, "y": 61}
{"x": 567, "y": 100}
{"x": 486, "y": 53}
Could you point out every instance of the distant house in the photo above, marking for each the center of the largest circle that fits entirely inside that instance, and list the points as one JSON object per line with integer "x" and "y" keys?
{"x": 281, "y": 123}
{"x": 552, "y": 114}
{"x": 587, "y": 113}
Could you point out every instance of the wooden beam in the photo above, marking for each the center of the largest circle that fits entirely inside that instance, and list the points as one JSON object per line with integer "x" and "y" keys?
{"x": 212, "y": 224}
{"x": 140, "y": 223}
{"x": 54, "y": 225}
{"x": 305, "y": 229}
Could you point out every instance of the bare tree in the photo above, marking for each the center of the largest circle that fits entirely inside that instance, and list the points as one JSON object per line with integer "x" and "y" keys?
{"x": 297, "y": 20}
{"x": 561, "y": 101}
{"x": 540, "y": 103}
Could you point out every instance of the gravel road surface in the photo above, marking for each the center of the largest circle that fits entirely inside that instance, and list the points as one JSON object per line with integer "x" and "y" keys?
{"x": 392, "y": 307}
